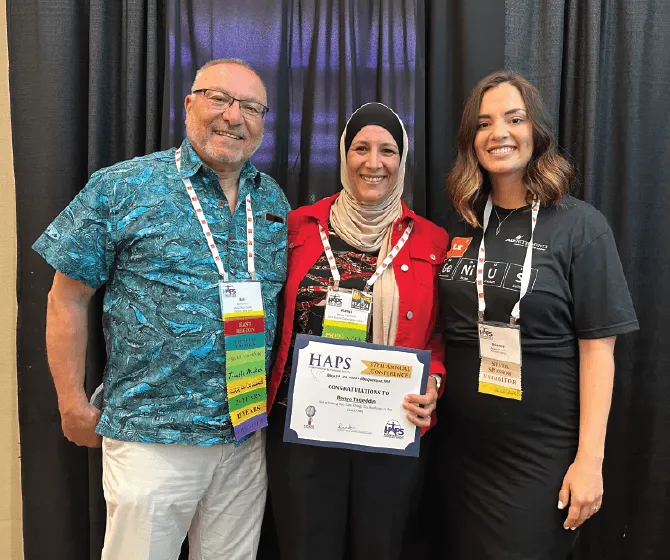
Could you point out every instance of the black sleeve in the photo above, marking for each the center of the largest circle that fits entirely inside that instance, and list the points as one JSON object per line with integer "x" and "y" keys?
{"x": 602, "y": 305}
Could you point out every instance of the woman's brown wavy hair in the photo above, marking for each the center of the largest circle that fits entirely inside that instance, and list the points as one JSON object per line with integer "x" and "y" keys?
{"x": 548, "y": 176}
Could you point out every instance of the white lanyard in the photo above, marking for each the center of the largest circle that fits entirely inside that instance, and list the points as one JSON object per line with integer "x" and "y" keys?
{"x": 380, "y": 269}
{"x": 208, "y": 234}
{"x": 525, "y": 275}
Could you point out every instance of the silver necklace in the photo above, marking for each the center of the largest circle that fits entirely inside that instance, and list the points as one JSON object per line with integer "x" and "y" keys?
{"x": 500, "y": 223}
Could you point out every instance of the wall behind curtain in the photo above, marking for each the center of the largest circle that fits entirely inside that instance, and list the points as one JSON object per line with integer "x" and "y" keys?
{"x": 11, "y": 543}
{"x": 603, "y": 69}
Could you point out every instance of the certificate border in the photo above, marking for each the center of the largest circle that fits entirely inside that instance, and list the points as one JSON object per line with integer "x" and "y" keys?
{"x": 301, "y": 342}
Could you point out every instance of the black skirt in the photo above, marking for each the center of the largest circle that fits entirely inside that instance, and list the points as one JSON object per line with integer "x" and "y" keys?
{"x": 337, "y": 504}
{"x": 503, "y": 460}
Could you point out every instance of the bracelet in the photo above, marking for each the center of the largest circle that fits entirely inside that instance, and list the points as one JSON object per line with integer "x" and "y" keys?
{"x": 438, "y": 380}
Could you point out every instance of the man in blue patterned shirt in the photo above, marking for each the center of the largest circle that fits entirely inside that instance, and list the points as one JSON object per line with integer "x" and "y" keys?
{"x": 171, "y": 464}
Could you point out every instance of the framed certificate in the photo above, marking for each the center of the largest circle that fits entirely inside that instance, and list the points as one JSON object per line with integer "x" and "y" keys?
{"x": 349, "y": 394}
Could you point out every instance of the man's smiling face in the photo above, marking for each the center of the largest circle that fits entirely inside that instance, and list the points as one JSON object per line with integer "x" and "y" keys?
{"x": 224, "y": 139}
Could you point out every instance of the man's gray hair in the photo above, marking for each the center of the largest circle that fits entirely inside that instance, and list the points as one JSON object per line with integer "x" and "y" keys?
{"x": 237, "y": 61}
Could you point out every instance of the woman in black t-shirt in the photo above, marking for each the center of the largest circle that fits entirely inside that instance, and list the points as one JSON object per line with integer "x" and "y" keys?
{"x": 524, "y": 443}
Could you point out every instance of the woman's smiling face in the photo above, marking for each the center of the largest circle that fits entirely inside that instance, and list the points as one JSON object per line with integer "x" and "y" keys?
{"x": 373, "y": 162}
{"x": 504, "y": 139}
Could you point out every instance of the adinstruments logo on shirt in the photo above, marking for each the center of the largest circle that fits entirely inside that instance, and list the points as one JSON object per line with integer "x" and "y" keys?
{"x": 519, "y": 241}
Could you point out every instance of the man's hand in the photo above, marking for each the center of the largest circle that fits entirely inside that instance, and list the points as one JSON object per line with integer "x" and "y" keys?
{"x": 78, "y": 421}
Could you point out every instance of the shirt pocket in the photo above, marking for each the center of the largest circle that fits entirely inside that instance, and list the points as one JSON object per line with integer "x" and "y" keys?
{"x": 270, "y": 246}
{"x": 304, "y": 249}
{"x": 296, "y": 242}
{"x": 426, "y": 261}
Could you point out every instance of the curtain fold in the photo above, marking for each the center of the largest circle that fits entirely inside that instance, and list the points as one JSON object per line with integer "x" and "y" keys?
{"x": 126, "y": 71}
{"x": 602, "y": 67}
{"x": 460, "y": 41}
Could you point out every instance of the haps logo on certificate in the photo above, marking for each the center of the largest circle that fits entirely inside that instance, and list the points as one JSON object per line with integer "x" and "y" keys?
{"x": 394, "y": 430}
{"x": 329, "y": 362}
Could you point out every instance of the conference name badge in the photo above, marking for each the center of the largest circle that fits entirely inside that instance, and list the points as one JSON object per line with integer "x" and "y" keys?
{"x": 347, "y": 314}
{"x": 500, "y": 360}
{"x": 244, "y": 337}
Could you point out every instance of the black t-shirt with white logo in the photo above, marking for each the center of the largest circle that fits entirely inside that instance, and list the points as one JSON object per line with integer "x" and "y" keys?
{"x": 506, "y": 458}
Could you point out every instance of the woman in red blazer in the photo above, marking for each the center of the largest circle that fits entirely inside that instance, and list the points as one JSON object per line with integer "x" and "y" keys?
{"x": 337, "y": 503}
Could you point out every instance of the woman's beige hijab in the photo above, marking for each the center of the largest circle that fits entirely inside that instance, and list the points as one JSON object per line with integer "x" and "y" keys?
{"x": 368, "y": 228}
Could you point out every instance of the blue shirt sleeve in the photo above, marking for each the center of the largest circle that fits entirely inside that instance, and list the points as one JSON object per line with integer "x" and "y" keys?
{"x": 78, "y": 243}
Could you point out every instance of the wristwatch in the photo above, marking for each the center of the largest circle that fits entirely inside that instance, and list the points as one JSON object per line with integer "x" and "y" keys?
{"x": 438, "y": 380}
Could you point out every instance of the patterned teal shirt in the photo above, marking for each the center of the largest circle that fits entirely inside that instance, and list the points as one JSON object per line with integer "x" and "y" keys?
{"x": 133, "y": 229}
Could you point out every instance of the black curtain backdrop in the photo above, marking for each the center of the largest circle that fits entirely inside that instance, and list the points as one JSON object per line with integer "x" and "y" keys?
{"x": 86, "y": 82}
{"x": 320, "y": 60}
{"x": 603, "y": 68}
{"x": 95, "y": 82}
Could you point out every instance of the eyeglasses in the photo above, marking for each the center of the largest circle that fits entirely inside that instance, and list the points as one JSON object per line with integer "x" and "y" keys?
{"x": 220, "y": 101}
